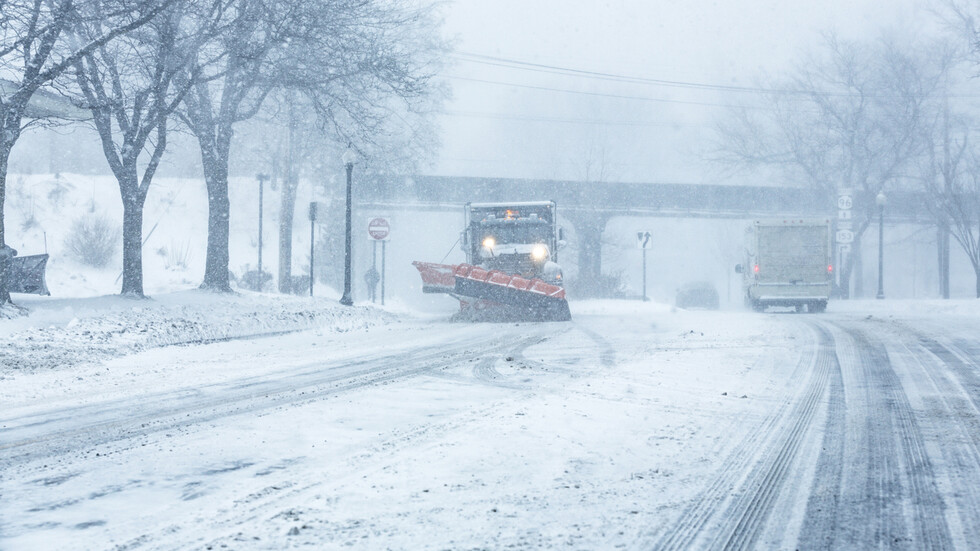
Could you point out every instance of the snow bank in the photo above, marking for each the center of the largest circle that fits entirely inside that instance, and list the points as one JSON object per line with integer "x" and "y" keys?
{"x": 902, "y": 307}
{"x": 67, "y": 332}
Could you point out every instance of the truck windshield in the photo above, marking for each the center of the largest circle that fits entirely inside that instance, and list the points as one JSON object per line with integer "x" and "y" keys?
{"x": 516, "y": 233}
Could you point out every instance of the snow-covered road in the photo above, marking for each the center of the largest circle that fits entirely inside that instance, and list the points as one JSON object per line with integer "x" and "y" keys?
{"x": 631, "y": 427}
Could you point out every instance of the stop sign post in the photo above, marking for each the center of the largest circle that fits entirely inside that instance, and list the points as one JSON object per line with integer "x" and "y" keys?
{"x": 379, "y": 230}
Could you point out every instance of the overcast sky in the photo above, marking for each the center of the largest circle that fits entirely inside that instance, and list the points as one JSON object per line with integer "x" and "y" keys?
{"x": 510, "y": 118}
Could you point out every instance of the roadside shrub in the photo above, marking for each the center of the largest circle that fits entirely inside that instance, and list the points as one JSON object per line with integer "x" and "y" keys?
{"x": 93, "y": 240}
{"x": 177, "y": 256}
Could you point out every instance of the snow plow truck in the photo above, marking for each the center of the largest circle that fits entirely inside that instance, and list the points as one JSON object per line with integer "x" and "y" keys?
{"x": 511, "y": 271}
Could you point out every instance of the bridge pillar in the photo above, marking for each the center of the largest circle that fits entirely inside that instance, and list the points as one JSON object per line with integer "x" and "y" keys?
{"x": 588, "y": 244}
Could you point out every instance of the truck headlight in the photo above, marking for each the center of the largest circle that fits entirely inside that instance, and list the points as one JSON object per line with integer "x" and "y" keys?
{"x": 489, "y": 243}
{"x": 539, "y": 252}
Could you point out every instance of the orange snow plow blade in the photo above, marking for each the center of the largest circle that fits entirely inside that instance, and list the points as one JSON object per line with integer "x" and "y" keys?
{"x": 436, "y": 278}
{"x": 512, "y": 295}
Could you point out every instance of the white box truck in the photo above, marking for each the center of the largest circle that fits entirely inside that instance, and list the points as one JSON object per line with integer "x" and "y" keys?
{"x": 788, "y": 262}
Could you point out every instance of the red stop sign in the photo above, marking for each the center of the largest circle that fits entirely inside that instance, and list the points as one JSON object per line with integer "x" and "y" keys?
{"x": 379, "y": 229}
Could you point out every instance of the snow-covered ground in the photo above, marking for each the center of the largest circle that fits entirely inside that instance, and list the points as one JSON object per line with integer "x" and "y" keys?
{"x": 634, "y": 426}
{"x": 60, "y": 333}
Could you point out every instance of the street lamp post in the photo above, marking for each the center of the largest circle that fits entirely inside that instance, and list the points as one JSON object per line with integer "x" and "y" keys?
{"x": 880, "y": 200}
{"x": 348, "y": 159}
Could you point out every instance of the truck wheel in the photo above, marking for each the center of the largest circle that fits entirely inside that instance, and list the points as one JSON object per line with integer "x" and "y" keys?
{"x": 818, "y": 307}
{"x": 799, "y": 307}
{"x": 758, "y": 306}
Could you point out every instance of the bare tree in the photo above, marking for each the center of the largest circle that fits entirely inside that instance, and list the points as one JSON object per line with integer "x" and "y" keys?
{"x": 301, "y": 134}
{"x": 957, "y": 198}
{"x": 952, "y": 178}
{"x": 349, "y": 58}
{"x": 946, "y": 152}
{"x": 231, "y": 92}
{"x": 132, "y": 88}
{"x": 961, "y": 202}
{"x": 34, "y": 51}
{"x": 848, "y": 117}
{"x": 955, "y": 174}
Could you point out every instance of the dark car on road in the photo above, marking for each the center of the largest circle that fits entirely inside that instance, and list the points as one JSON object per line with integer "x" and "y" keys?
{"x": 698, "y": 294}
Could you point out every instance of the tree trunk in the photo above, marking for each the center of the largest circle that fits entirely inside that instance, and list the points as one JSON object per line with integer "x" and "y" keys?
{"x": 287, "y": 209}
{"x": 9, "y": 132}
{"x": 132, "y": 280}
{"x": 219, "y": 212}
{"x": 4, "y": 155}
{"x": 590, "y": 256}
{"x": 942, "y": 244}
{"x": 588, "y": 233}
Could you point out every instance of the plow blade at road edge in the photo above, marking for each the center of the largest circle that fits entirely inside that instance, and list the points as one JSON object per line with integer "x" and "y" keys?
{"x": 495, "y": 294}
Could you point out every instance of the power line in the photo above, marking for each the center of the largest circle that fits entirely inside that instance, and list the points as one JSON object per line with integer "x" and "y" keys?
{"x": 538, "y": 118}
{"x": 554, "y": 69}
{"x": 598, "y": 94}
{"x": 597, "y": 75}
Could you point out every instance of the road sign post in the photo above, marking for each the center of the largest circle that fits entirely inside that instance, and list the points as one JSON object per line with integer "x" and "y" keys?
{"x": 379, "y": 229}
{"x": 644, "y": 241}
{"x": 372, "y": 277}
{"x": 316, "y": 210}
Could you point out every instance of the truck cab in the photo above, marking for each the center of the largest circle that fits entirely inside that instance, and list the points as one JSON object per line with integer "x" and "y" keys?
{"x": 520, "y": 238}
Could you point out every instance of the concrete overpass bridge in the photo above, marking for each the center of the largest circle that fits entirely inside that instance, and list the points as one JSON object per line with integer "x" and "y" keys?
{"x": 624, "y": 199}
{"x": 45, "y": 104}
{"x": 588, "y": 206}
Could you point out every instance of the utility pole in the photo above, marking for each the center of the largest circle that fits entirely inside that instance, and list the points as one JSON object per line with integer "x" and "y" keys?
{"x": 881, "y": 200}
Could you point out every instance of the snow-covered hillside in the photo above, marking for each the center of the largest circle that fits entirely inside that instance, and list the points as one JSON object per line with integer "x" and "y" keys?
{"x": 41, "y": 209}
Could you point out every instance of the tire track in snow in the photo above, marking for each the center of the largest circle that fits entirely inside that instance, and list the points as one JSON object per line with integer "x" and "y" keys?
{"x": 746, "y": 516}
{"x": 607, "y": 353}
{"x": 821, "y": 518}
{"x": 959, "y": 357}
{"x": 957, "y": 419}
{"x": 898, "y": 471}
{"x": 485, "y": 369}
{"x": 715, "y": 518}
{"x": 282, "y": 489}
{"x": 99, "y": 423}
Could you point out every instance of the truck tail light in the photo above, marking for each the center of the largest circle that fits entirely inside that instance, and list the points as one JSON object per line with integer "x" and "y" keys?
{"x": 830, "y": 268}
{"x": 755, "y": 268}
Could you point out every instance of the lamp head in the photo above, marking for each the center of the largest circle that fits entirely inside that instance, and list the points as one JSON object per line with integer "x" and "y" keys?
{"x": 349, "y": 156}
{"x": 881, "y": 200}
